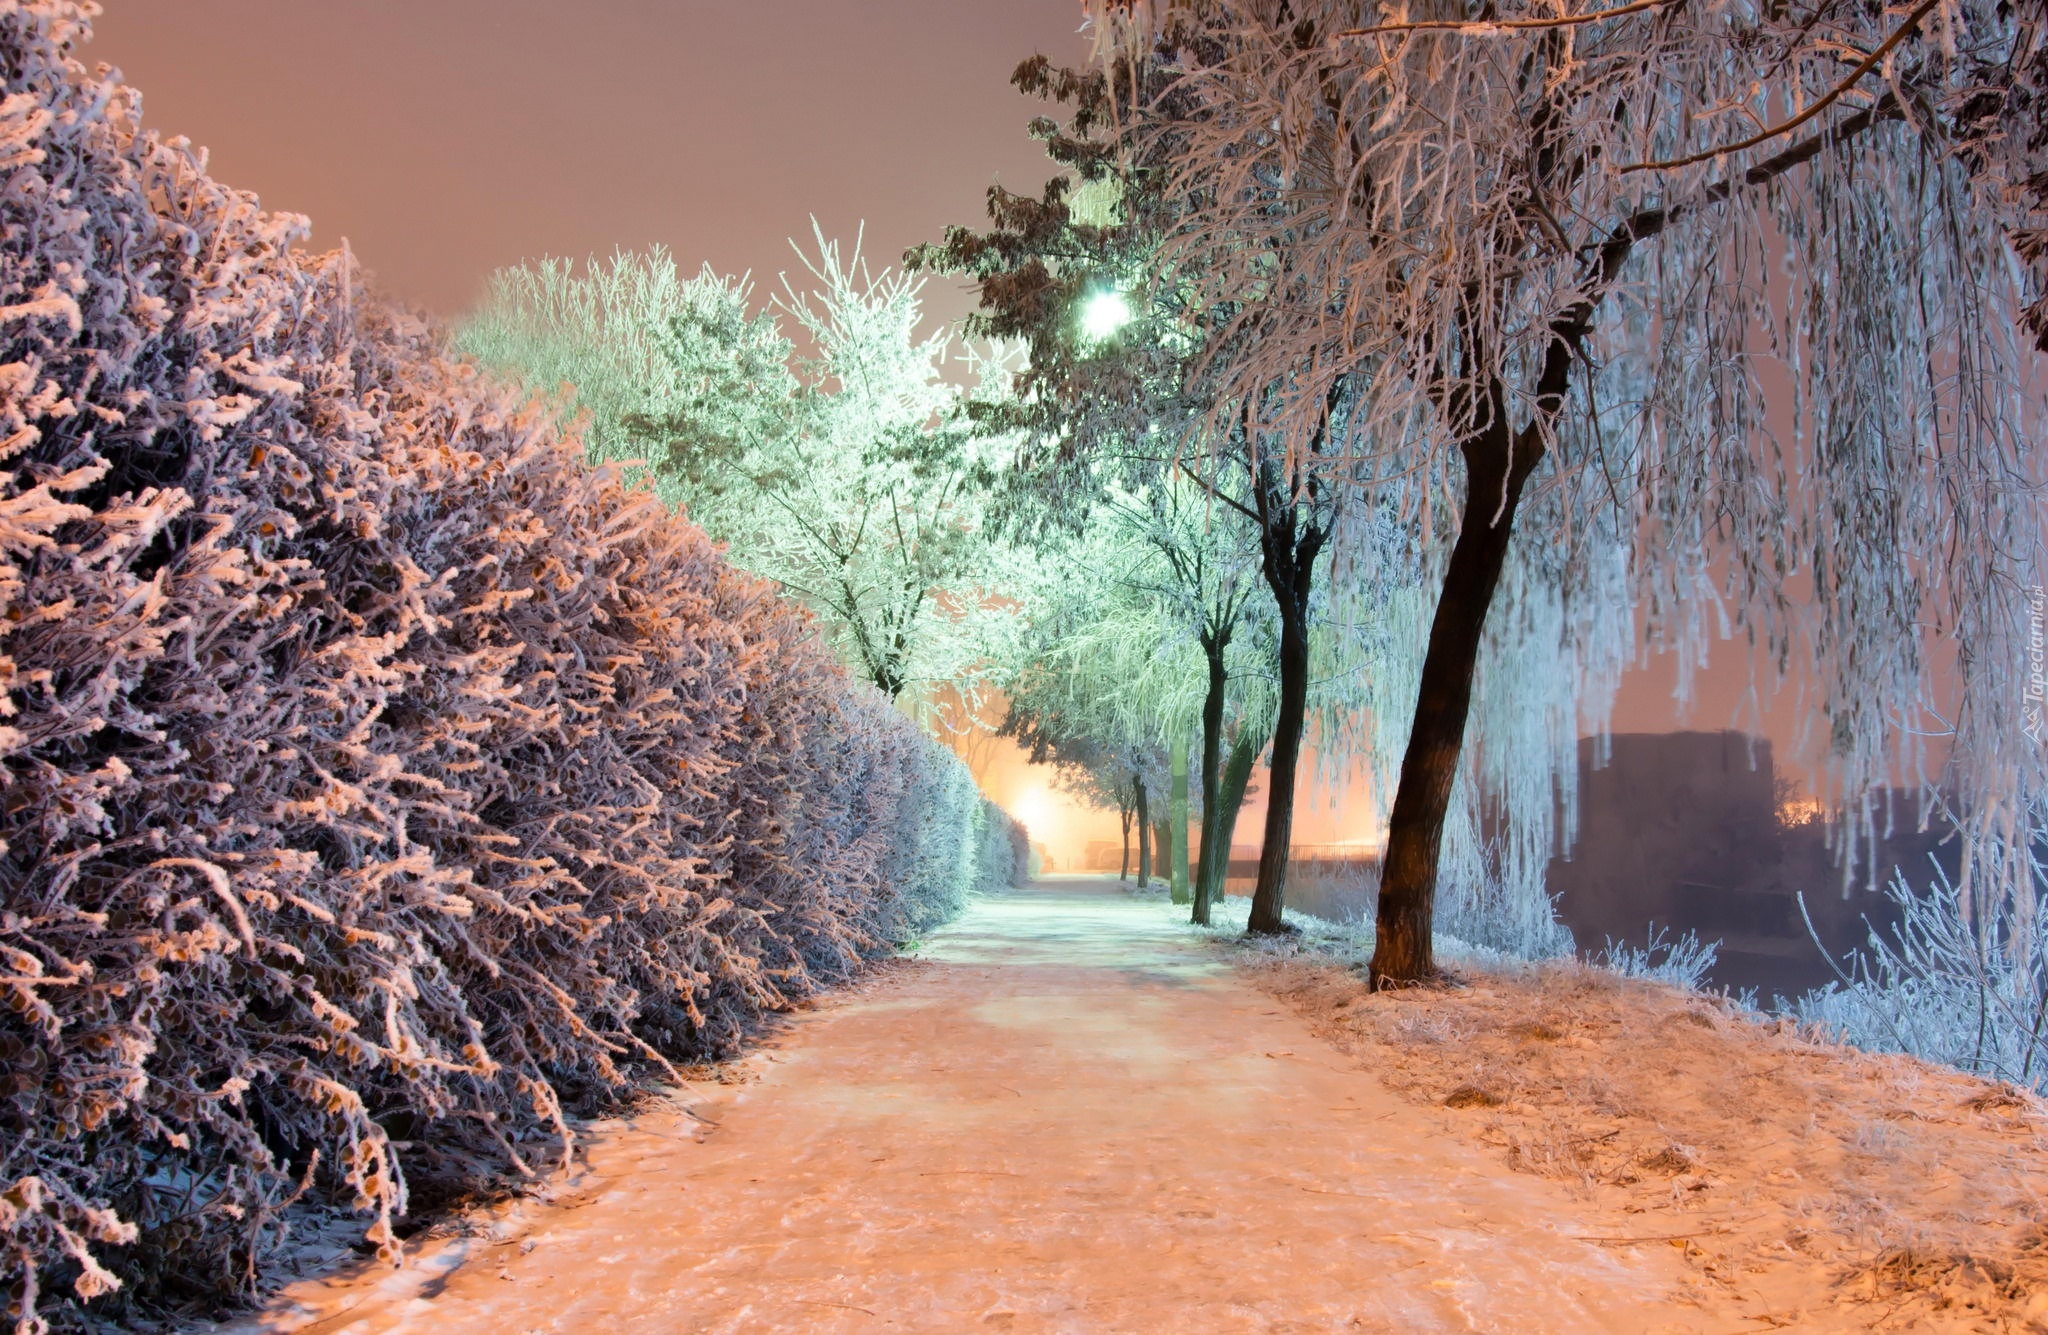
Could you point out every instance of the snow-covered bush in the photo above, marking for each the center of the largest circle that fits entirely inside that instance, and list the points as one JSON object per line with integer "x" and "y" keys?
{"x": 376, "y": 779}
{"x": 1972, "y": 994}
{"x": 1682, "y": 961}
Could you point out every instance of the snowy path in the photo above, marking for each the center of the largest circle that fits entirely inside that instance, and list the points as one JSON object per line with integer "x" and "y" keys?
{"x": 1067, "y": 1116}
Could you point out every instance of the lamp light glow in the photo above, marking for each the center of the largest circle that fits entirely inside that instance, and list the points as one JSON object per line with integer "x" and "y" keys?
{"x": 1105, "y": 313}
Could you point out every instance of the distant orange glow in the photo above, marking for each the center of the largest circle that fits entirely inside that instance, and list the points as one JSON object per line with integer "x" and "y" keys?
{"x": 1066, "y": 831}
{"x": 1060, "y": 826}
{"x": 1034, "y": 805}
{"x": 1800, "y": 811}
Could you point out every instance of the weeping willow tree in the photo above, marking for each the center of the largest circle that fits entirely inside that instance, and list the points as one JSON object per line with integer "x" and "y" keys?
{"x": 1095, "y": 756}
{"x": 1553, "y": 257}
{"x": 850, "y": 475}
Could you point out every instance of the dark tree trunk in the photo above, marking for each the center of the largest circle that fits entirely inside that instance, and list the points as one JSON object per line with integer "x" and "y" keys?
{"x": 1237, "y": 775}
{"x": 1123, "y": 815}
{"x": 1287, "y": 551}
{"x": 1144, "y": 820}
{"x": 1162, "y": 839}
{"x": 1212, "y": 750}
{"x": 1178, "y": 878}
{"x": 1497, "y": 464}
{"x": 1270, "y": 897}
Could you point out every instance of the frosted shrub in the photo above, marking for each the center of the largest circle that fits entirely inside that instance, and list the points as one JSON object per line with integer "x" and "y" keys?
{"x": 374, "y": 771}
{"x": 1938, "y": 986}
{"x": 1682, "y": 961}
{"x": 1504, "y": 916}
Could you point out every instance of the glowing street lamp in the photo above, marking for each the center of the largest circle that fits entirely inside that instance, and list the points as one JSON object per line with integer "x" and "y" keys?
{"x": 1105, "y": 313}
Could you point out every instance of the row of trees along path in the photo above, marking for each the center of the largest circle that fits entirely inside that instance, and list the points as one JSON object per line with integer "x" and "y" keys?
{"x": 1473, "y": 303}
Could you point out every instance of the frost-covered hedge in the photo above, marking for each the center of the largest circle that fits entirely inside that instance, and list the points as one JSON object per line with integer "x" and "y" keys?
{"x": 376, "y": 779}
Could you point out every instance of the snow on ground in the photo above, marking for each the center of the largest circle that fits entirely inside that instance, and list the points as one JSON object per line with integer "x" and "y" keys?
{"x": 1769, "y": 1157}
{"x": 1071, "y": 1114}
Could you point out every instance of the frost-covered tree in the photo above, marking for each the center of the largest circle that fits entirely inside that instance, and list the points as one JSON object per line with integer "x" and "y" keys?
{"x": 1544, "y": 254}
{"x": 849, "y": 474}
{"x": 1106, "y": 679}
{"x": 1200, "y": 568}
{"x": 631, "y": 341}
{"x": 1101, "y": 784}
{"x": 1130, "y": 401}
{"x": 1149, "y": 632}
{"x": 1054, "y": 728}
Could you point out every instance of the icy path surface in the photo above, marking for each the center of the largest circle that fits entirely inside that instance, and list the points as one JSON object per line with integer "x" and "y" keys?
{"x": 1066, "y": 1116}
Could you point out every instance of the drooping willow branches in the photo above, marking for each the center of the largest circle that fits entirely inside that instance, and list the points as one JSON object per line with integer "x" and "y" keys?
{"x": 1780, "y": 377}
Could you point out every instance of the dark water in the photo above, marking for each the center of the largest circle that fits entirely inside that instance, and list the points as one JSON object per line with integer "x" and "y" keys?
{"x": 1681, "y": 832}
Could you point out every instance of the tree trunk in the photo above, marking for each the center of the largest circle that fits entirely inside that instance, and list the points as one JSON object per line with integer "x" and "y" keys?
{"x": 1270, "y": 898}
{"x": 1144, "y": 820}
{"x": 1212, "y": 749}
{"x": 1237, "y": 775}
{"x": 1177, "y": 817}
{"x": 1123, "y": 817}
{"x": 1496, "y": 467}
{"x": 1287, "y": 557}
